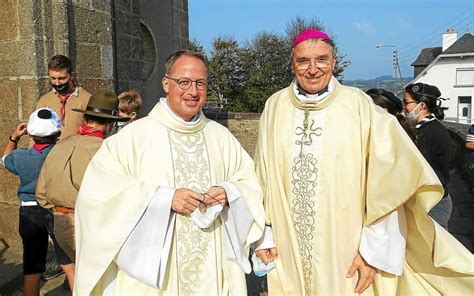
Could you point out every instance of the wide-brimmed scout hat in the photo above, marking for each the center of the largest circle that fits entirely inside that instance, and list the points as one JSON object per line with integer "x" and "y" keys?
{"x": 43, "y": 122}
{"x": 103, "y": 104}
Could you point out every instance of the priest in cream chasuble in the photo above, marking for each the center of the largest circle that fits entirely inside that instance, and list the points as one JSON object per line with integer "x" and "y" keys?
{"x": 344, "y": 184}
{"x": 136, "y": 234}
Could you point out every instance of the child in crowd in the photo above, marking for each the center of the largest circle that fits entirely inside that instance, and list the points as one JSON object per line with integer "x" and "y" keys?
{"x": 130, "y": 103}
{"x": 44, "y": 127}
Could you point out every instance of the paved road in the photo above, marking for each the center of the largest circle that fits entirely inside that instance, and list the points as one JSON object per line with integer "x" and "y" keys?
{"x": 461, "y": 225}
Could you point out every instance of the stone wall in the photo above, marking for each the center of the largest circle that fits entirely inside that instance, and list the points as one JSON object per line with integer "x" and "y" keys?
{"x": 35, "y": 31}
{"x": 244, "y": 126}
{"x": 103, "y": 38}
{"x": 127, "y": 43}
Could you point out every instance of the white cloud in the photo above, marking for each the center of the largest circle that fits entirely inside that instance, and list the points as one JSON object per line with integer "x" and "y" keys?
{"x": 365, "y": 28}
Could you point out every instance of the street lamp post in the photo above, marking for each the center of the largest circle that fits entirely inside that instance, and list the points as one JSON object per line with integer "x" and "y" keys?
{"x": 396, "y": 64}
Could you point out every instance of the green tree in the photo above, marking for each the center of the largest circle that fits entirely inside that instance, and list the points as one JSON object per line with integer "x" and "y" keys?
{"x": 226, "y": 72}
{"x": 195, "y": 46}
{"x": 299, "y": 24}
{"x": 267, "y": 68}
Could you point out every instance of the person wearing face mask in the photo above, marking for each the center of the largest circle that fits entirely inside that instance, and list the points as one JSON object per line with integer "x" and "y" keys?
{"x": 65, "y": 94}
{"x": 421, "y": 104}
{"x": 61, "y": 175}
{"x": 393, "y": 105}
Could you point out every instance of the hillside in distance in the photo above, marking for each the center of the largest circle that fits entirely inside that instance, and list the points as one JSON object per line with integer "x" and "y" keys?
{"x": 387, "y": 82}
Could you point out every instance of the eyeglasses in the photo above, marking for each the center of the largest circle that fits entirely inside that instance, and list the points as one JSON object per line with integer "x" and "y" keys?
{"x": 185, "y": 83}
{"x": 305, "y": 64}
{"x": 407, "y": 102}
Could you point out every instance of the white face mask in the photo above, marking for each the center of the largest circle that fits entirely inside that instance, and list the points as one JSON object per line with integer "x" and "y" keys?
{"x": 411, "y": 116}
{"x": 122, "y": 123}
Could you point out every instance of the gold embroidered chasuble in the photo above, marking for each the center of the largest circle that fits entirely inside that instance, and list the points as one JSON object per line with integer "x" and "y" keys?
{"x": 329, "y": 168}
{"x": 159, "y": 151}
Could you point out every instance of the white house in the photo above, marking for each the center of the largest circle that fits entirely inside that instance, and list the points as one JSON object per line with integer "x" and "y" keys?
{"x": 451, "y": 69}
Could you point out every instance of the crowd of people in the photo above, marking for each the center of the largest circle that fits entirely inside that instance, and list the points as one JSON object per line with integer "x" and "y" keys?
{"x": 342, "y": 196}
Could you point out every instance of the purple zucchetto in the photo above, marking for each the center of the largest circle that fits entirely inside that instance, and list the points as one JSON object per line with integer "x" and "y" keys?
{"x": 309, "y": 34}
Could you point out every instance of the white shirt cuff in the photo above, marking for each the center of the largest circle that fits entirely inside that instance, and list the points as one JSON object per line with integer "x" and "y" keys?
{"x": 382, "y": 244}
{"x": 231, "y": 190}
{"x": 266, "y": 241}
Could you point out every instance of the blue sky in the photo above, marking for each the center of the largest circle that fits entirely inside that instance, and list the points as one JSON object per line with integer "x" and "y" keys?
{"x": 357, "y": 26}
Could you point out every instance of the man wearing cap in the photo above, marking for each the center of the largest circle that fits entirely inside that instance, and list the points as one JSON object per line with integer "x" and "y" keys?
{"x": 65, "y": 95}
{"x": 44, "y": 127}
{"x": 169, "y": 205}
{"x": 341, "y": 183}
{"x": 61, "y": 176}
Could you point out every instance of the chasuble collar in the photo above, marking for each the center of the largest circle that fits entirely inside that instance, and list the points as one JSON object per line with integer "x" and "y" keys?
{"x": 162, "y": 113}
{"x": 326, "y": 100}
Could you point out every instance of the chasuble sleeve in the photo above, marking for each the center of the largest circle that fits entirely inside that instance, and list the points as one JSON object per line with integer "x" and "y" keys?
{"x": 112, "y": 198}
{"x": 398, "y": 175}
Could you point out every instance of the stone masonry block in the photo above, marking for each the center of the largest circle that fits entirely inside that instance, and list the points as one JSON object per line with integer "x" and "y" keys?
{"x": 29, "y": 19}
{"x": 26, "y": 64}
{"x": 92, "y": 27}
{"x": 178, "y": 4}
{"x": 10, "y": 22}
{"x": 123, "y": 70}
{"x": 107, "y": 62}
{"x": 123, "y": 48}
{"x": 8, "y": 182}
{"x": 135, "y": 26}
{"x": 122, "y": 23}
{"x": 8, "y": 59}
{"x": 123, "y": 86}
{"x": 83, "y": 3}
{"x": 55, "y": 21}
{"x": 60, "y": 47}
{"x": 102, "y": 5}
{"x": 88, "y": 61}
{"x": 30, "y": 92}
{"x": 136, "y": 7}
{"x": 136, "y": 47}
{"x": 9, "y": 225}
{"x": 17, "y": 58}
{"x": 123, "y": 6}
{"x": 93, "y": 85}
{"x": 9, "y": 99}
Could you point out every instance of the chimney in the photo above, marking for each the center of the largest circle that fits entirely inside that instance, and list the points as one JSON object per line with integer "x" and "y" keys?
{"x": 449, "y": 37}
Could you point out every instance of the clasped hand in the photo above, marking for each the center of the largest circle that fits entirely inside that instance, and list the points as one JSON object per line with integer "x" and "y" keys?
{"x": 185, "y": 201}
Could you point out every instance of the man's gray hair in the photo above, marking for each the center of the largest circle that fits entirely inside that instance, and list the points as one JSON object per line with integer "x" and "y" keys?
{"x": 328, "y": 42}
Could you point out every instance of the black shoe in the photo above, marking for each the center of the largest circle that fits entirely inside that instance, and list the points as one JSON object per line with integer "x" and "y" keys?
{"x": 53, "y": 270}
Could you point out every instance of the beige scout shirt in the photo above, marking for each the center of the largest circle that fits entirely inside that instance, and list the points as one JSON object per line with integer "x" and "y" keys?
{"x": 60, "y": 180}
{"x": 73, "y": 120}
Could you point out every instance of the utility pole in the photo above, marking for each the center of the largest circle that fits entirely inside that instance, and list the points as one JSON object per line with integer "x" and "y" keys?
{"x": 396, "y": 64}
{"x": 395, "y": 61}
